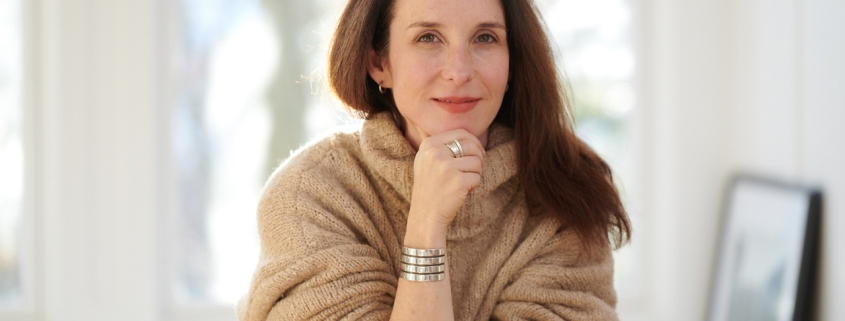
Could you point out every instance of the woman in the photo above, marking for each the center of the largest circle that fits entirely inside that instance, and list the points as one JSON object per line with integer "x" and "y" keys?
{"x": 465, "y": 195}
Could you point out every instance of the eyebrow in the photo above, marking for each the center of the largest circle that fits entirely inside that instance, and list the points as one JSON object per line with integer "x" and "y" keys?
{"x": 429, "y": 24}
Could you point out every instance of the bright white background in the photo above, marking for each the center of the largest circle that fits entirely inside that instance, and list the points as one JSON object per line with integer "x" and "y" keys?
{"x": 723, "y": 86}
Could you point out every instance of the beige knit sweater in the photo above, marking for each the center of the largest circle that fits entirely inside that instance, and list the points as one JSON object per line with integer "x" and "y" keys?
{"x": 332, "y": 219}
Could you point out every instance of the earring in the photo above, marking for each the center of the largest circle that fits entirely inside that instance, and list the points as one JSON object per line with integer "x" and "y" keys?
{"x": 380, "y": 89}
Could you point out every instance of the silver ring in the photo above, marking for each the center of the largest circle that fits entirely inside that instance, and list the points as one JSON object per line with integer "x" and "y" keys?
{"x": 428, "y": 269}
{"x": 460, "y": 148}
{"x": 456, "y": 148}
{"x": 423, "y": 260}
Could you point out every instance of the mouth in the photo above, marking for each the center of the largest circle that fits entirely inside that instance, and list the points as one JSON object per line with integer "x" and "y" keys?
{"x": 457, "y": 105}
{"x": 457, "y": 100}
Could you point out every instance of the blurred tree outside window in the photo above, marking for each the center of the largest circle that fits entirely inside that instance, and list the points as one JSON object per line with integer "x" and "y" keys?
{"x": 252, "y": 89}
{"x": 595, "y": 44}
{"x": 11, "y": 152}
{"x": 249, "y": 95}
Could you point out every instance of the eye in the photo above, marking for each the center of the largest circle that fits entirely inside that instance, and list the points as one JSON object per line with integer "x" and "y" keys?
{"x": 486, "y": 38}
{"x": 427, "y": 38}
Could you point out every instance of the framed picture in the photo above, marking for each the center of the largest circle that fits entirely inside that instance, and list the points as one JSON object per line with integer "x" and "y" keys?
{"x": 766, "y": 263}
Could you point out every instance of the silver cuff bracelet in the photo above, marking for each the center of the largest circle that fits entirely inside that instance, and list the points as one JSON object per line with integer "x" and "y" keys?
{"x": 422, "y": 277}
{"x": 423, "y": 260}
{"x": 423, "y": 269}
{"x": 423, "y": 252}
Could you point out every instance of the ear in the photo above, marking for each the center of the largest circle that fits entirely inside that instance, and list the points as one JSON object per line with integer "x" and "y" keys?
{"x": 379, "y": 69}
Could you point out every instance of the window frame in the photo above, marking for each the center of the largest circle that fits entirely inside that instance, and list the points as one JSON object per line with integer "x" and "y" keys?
{"x": 27, "y": 245}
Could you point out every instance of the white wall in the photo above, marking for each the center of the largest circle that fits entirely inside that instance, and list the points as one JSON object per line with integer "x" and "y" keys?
{"x": 822, "y": 104}
{"x": 790, "y": 110}
{"x": 739, "y": 86}
{"x": 94, "y": 104}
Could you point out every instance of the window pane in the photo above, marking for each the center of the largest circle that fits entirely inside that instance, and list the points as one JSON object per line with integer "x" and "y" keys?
{"x": 249, "y": 95}
{"x": 11, "y": 151}
{"x": 594, "y": 39}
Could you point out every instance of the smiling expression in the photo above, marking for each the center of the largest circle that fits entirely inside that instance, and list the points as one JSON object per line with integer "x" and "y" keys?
{"x": 447, "y": 65}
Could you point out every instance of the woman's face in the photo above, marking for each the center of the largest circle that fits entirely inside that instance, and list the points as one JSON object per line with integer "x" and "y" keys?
{"x": 447, "y": 65}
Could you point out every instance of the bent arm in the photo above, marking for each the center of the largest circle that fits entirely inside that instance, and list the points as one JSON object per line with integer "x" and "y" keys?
{"x": 442, "y": 181}
{"x": 321, "y": 257}
{"x": 313, "y": 288}
{"x": 560, "y": 283}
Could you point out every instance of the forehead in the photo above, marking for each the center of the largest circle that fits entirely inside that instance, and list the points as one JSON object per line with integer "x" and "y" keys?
{"x": 447, "y": 12}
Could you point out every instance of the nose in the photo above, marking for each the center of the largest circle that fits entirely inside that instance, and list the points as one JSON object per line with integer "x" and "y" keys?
{"x": 459, "y": 67}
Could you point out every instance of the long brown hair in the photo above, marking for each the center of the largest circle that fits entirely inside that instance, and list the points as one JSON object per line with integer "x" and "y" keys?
{"x": 559, "y": 172}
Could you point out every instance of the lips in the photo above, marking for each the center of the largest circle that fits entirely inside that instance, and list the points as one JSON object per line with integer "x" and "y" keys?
{"x": 457, "y": 105}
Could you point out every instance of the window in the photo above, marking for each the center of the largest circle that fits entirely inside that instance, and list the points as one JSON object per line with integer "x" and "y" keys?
{"x": 594, "y": 39}
{"x": 249, "y": 95}
{"x": 11, "y": 154}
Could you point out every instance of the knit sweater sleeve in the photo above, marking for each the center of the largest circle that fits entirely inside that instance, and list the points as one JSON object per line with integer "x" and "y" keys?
{"x": 321, "y": 256}
{"x": 558, "y": 282}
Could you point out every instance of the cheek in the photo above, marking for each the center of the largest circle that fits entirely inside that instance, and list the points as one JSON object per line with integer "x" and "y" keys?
{"x": 499, "y": 69}
{"x": 493, "y": 68}
{"x": 414, "y": 70}
{"x": 413, "y": 73}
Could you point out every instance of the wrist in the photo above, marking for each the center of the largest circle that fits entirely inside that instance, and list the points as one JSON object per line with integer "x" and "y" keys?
{"x": 424, "y": 233}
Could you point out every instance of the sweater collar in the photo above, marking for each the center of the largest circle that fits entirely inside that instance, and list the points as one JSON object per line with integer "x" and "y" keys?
{"x": 389, "y": 154}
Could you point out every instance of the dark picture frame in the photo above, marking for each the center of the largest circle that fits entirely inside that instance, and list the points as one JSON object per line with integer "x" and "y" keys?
{"x": 765, "y": 267}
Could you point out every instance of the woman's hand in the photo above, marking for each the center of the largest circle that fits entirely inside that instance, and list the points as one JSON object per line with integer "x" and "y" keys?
{"x": 443, "y": 181}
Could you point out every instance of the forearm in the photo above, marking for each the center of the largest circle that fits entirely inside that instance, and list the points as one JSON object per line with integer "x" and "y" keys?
{"x": 442, "y": 181}
{"x": 424, "y": 300}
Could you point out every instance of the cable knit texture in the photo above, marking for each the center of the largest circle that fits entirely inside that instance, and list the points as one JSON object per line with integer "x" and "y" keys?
{"x": 332, "y": 219}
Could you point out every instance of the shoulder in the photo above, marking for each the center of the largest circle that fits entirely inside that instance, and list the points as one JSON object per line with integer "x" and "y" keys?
{"x": 317, "y": 162}
{"x": 317, "y": 188}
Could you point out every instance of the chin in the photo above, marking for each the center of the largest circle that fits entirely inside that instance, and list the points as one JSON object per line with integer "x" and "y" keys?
{"x": 475, "y": 129}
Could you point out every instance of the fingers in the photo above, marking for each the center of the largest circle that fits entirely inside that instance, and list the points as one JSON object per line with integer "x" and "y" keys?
{"x": 469, "y": 147}
{"x": 442, "y": 180}
{"x": 467, "y": 164}
{"x": 469, "y": 181}
{"x": 441, "y": 156}
{"x": 470, "y": 144}
{"x": 461, "y": 174}
{"x": 470, "y": 169}
{"x": 441, "y": 166}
